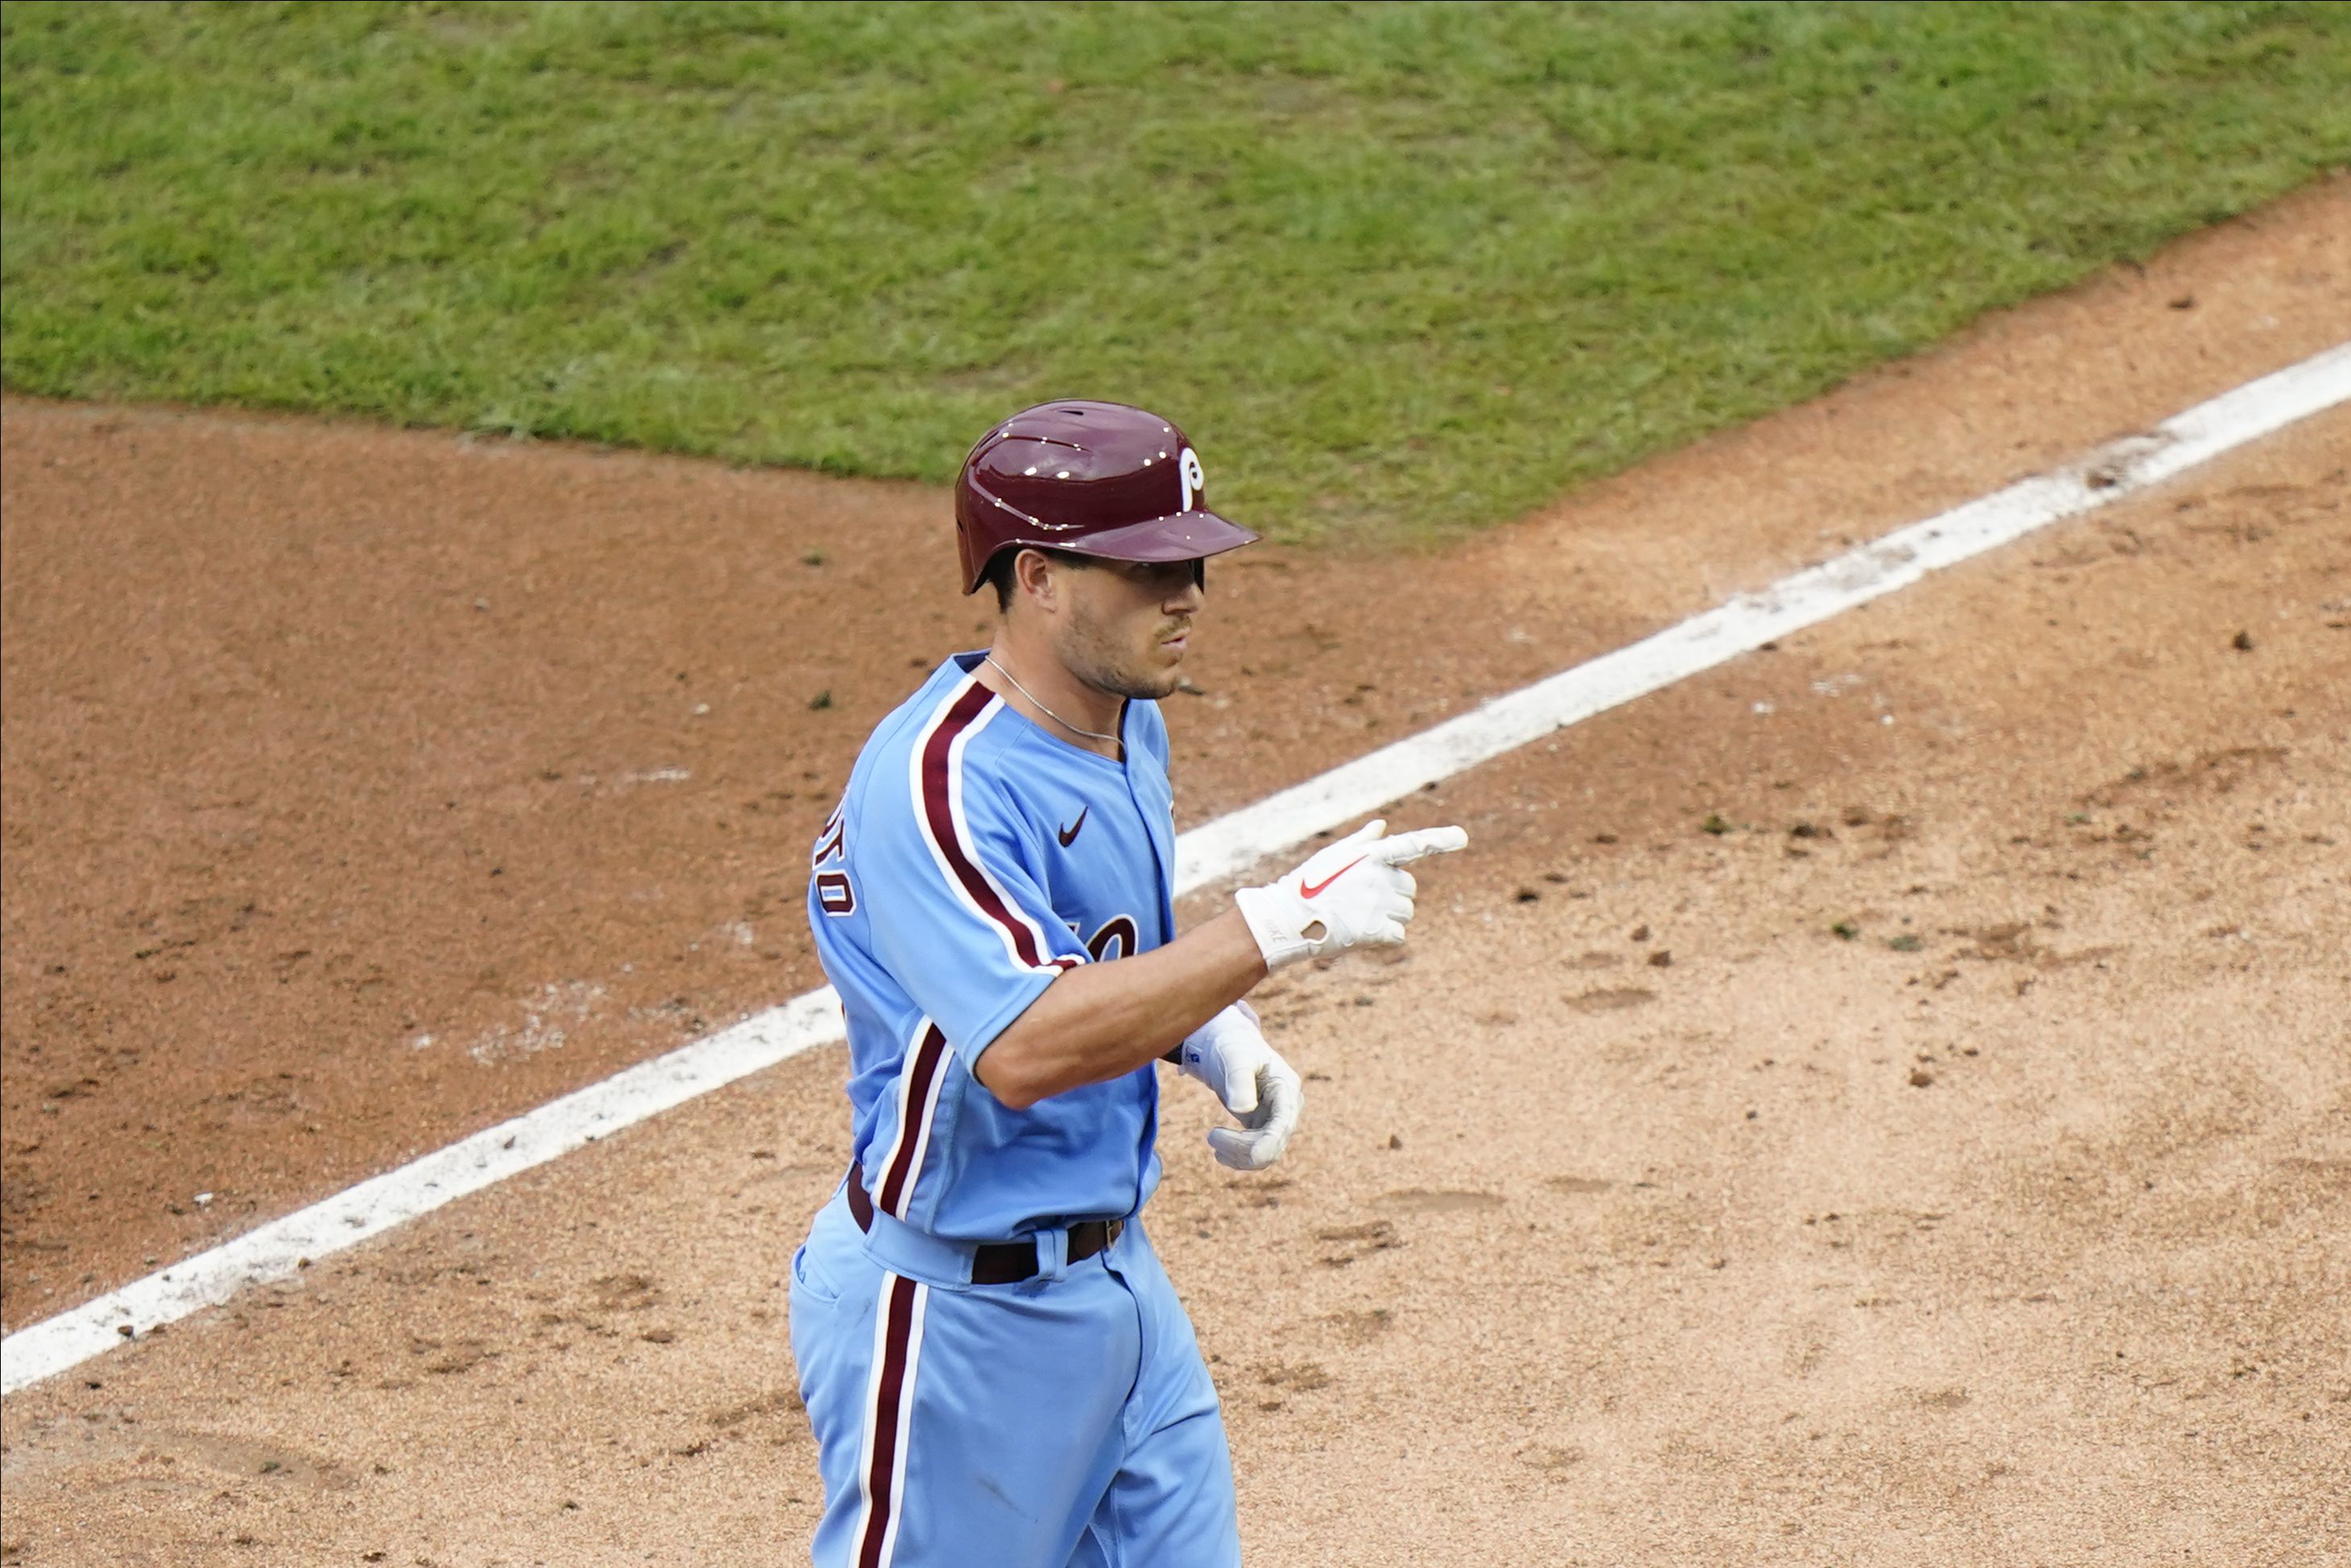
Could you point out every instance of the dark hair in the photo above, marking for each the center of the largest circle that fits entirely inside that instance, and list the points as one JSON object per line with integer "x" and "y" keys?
{"x": 999, "y": 574}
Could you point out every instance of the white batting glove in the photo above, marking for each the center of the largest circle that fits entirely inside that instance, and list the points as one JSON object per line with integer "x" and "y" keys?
{"x": 1349, "y": 894}
{"x": 1228, "y": 1053}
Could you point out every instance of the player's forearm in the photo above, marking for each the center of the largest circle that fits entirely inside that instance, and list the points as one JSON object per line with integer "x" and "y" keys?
{"x": 1101, "y": 1021}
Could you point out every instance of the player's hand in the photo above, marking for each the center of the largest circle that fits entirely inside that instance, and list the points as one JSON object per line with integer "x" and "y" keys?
{"x": 1351, "y": 893}
{"x": 1230, "y": 1054}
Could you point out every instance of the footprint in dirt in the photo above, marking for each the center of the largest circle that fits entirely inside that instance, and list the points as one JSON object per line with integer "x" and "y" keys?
{"x": 624, "y": 1293}
{"x": 1613, "y": 1000}
{"x": 1351, "y": 1243}
{"x": 774, "y": 1402}
{"x": 451, "y": 1359}
{"x": 166, "y": 1457}
{"x": 1360, "y": 1328}
{"x": 1298, "y": 1378}
{"x": 1441, "y": 1200}
{"x": 1578, "y": 1184}
{"x": 1551, "y": 1458}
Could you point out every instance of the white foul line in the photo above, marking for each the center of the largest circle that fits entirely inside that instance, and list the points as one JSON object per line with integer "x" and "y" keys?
{"x": 1206, "y": 854}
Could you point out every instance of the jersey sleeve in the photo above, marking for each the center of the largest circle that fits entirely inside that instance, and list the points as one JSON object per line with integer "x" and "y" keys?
{"x": 954, "y": 910}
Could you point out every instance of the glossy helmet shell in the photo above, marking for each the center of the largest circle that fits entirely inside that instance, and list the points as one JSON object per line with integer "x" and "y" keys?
{"x": 1094, "y": 478}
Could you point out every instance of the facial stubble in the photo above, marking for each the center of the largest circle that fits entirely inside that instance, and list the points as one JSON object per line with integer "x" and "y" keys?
{"x": 1095, "y": 656}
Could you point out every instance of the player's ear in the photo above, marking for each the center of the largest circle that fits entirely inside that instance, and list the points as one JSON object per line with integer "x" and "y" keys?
{"x": 1033, "y": 575}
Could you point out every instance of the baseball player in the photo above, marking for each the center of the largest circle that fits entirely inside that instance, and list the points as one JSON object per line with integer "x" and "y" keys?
{"x": 996, "y": 1369}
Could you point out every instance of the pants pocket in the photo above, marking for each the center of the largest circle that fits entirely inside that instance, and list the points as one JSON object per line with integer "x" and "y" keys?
{"x": 810, "y": 1282}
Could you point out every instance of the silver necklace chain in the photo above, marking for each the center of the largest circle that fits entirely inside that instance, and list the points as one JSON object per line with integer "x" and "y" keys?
{"x": 1057, "y": 718}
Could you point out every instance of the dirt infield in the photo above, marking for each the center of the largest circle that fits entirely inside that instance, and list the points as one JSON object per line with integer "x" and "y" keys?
{"x": 363, "y": 787}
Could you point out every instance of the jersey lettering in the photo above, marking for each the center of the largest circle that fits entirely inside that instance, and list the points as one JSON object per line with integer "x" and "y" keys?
{"x": 1116, "y": 939}
{"x": 834, "y": 893}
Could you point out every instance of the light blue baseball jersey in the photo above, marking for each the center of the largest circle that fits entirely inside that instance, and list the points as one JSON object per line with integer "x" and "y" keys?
{"x": 973, "y": 858}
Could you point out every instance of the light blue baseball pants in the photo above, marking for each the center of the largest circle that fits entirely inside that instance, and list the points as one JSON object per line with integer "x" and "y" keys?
{"x": 1066, "y": 1421}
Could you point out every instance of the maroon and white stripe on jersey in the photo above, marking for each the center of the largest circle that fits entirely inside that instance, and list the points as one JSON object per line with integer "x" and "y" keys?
{"x": 937, "y": 766}
{"x": 919, "y": 1080}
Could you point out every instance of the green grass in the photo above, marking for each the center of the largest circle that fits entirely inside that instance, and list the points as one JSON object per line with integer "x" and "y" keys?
{"x": 1401, "y": 270}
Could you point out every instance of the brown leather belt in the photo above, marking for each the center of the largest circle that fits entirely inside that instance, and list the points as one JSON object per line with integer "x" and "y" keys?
{"x": 1000, "y": 1262}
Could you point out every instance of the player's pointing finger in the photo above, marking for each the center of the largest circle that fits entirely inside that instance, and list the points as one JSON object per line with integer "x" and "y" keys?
{"x": 1401, "y": 847}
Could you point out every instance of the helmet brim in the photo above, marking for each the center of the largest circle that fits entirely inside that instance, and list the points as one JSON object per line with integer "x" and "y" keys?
{"x": 1179, "y": 536}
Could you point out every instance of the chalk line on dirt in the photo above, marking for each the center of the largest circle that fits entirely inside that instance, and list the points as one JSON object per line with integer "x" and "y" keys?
{"x": 1206, "y": 854}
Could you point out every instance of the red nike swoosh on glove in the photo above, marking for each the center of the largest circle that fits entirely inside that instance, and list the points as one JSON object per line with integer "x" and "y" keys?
{"x": 1305, "y": 890}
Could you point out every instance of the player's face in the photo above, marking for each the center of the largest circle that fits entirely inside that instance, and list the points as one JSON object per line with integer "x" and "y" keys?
{"x": 1129, "y": 624}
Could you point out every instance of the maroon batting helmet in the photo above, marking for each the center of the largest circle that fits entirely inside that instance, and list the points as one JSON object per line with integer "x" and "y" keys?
{"x": 1094, "y": 478}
